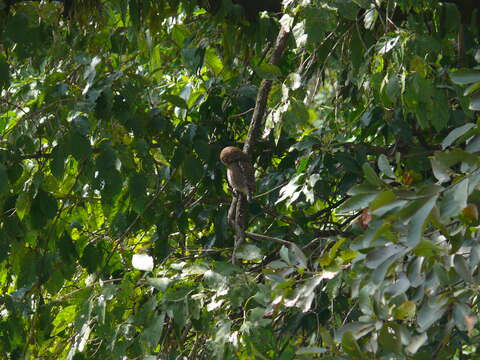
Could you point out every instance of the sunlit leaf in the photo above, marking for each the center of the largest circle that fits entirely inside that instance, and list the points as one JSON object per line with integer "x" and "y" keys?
{"x": 142, "y": 262}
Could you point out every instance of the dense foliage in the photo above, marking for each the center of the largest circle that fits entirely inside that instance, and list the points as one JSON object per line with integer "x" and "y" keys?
{"x": 363, "y": 238}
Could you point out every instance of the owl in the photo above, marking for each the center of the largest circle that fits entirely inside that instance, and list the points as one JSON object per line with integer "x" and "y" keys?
{"x": 240, "y": 171}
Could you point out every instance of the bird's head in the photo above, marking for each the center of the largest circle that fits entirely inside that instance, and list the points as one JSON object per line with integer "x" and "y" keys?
{"x": 231, "y": 154}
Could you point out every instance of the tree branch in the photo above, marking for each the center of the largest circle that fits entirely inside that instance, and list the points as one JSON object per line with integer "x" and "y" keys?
{"x": 263, "y": 91}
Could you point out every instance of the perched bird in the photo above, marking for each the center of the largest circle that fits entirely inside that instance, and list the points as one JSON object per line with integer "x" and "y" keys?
{"x": 240, "y": 171}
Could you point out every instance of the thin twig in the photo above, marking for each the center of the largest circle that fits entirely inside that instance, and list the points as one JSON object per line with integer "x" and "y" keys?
{"x": 268, "y": 238}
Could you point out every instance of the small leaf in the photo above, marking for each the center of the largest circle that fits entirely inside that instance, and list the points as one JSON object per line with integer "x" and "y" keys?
{"x": 153, "y": 332}
{"x": 465, "y": 76}
{"x": 382, "y": 199}
{"x": 462, "y": 315}
{"x": 371, "y": 176}
{"x": 377, "y": 256}
{"x": 249, "y": 252}
{"x": 362, "y": 189}
{"x": 385, "y": 167}
{"x": 159, "y": 283}
{"x": 427, "y": 248}
{"x": 399, "y": 287}
{"x": 455, "y": 198}
{"x": 417, "y": 223}
{"x": 213, "y": 61}
{"x": 298, "y": 256}
{"x": 389, "y": 340}
{"x": 440, "y": 171}
{"x": 470, "y": 213}
{"x": 379, "y": 273}
{"x": 472, "y": 89}
{"x": 175, "y": 100}
{"x": 294, "y": 81}
{"x": 356, "y": 202}
{"x": 405, "y": 311}
{"x": 475, "y": 102}
{"x": 351, "y": 347}
{"x": 456, "y": 133}
{"x": 431, "y": 311}
{"x": 23, "y": 204}
{"x": 79, "y": 146}
{"x": 416, "y": 342}
{"x": 461, "y": 267}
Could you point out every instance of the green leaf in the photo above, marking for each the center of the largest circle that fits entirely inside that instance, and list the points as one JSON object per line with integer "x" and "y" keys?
{"x": 137, "y": 187}
{"x": 193, "y": 57}
{"x": 371, "y": 17}
{"x": 440, "y": 171}
{"x": 91, "y": 258}
{"x": 456, "y": 133}
{"x": 371, "y": 176}
{"x": 45, "y": 205}
{"x": 249, "y": 252}
{"x": 213, "y": 61}
{"x": 79, "y": 146}
{"x": 351, "y": 347}
{"x": 356, "y": 202}
{"x": 431, "y": 311}
{"x": 405, "y": 311}
{"x": 180, "y": 33}
{"x": 294, "y": 81}
{"x": 153, "y": 332}
{"x": 58, "y": 162}
{"x": 455, "y": 198}
{"x": 417, "y": 222}
{"x": 357, "y": 329}
{"x": 175, "y": 100}
{"x": 363, "y": 189}
{"x": 297, "y": 255}
{"x": 347, "y": 9}
{"x": 23, "y": 204}
{"x": 475, "y": 102}
{"x": 472, "y": 89}
{"x": 4, "y": 181}
{"x": 379, "y": 273}
{"x": 377, "y": 256}
{"x": 4, "y": 73}
{"x": 416, "y": 342}
{"x": 159, "y": 283}
{"x": 461, "y": 267}
{"x": 389, "y": 340}
{"x": 464, "y": 319}
{"x": 385, "y": 167}
{"x": 366, "y": 4}
{"x": 465, "y": 76}
{"x": 193, "y": 168}
{"x": 268, "y": 71}
{"x": 399, "y": 287}
{"x": 382, "y": 199}
{"x": 427, "y": 248}
{"x": 112, "y": 182}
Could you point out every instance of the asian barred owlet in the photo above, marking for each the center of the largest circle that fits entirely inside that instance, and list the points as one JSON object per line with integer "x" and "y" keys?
{"x": 240, "y": 171}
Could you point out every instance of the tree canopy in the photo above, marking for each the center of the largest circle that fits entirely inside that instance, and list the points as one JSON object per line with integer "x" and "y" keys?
{"x": 361, "y": 117}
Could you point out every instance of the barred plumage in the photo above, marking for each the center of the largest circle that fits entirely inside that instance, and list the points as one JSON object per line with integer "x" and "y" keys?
{"x": 240, "y": 171}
